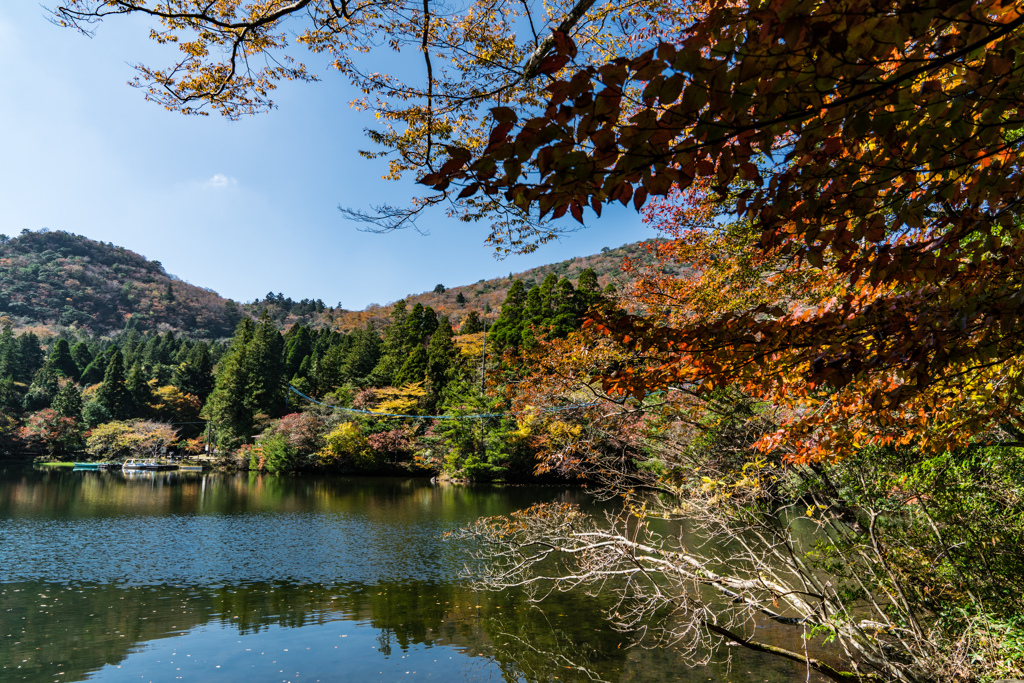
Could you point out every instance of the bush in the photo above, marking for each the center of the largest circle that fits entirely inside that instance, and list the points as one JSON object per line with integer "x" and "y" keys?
{"x": 347, "y": 446}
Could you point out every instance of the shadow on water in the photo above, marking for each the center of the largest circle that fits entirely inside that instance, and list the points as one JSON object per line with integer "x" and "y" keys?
{"x": 180, "y": 576}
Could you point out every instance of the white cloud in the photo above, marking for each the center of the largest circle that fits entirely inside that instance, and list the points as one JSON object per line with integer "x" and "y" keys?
{"x": 220, "y": 180}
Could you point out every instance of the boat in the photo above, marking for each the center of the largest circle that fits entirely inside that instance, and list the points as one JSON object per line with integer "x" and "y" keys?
{"x": 91, "y": 466}
{"x": 149, "y": 465}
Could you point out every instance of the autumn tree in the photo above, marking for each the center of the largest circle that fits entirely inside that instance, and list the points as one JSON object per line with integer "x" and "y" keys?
{"x": 55, "y": 433}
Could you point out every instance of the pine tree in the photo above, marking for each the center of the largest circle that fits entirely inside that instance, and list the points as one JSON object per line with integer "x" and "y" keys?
{"x": 94, "y": 371}
{"x": 227, "y": 407}
{"x": 82, "y": 356}
{"x": 549, "y": 295}
{"x": 414, "y": 369}
{"x": 168, "y": 348}
{"x": 507, "y": 329}
{"x": 472, "y": 324}
{"x": 588, "y": 290}
{"x": 68, "y": 401}
{"x": 113, "y": 393}
{"x": 395, "y": 349}
{"x": 363, "y": 355}
{"x": 150, "y": 353}
{"x": 567, "y": 314}
{"x": 8, "y": 351}
{"x": 298, "y": 346}
{"x": 442, "y": 361}
{"x": 30, "y": 357}
{"x": 41, "y": 391}
{"x": 141, "y": 393}
{"x": 535, "y": 314}
{"x": 264, "y": 367}
{"x": 61, "y": 361}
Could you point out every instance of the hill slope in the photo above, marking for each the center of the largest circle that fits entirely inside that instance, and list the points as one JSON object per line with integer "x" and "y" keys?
{"x": 57, "y": 279}
{"x": 486, "y": 296}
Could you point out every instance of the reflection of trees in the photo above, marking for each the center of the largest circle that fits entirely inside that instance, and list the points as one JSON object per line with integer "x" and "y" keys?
{"x": 102, "y": 624}
{"x": 63, "y": 492}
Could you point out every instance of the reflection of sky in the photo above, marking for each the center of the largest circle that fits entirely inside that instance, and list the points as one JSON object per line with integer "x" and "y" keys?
{"x": 105, "y": 527}
{"x": 336, "y": 651}
{"x": 167, "y": 578}
{"x": 241, "y": 207}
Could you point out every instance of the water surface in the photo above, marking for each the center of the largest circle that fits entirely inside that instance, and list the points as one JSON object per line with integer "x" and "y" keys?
{"x": 248, "y": 578}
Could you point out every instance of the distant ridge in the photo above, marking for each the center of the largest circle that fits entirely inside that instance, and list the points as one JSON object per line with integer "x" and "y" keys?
{"x": 58, "y": 280}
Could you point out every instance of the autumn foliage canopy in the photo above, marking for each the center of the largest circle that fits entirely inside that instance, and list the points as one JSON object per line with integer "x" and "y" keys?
{"x": 843, "y": 177}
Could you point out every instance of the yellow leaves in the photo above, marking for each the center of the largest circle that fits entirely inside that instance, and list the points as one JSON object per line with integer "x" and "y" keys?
{"x": 564, "y": 433}
{"x": 403, "y": 400}
{"x": 345, "y": 441}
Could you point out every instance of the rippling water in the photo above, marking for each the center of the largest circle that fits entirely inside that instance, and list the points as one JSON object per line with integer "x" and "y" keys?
{"x": 210, "y": 577}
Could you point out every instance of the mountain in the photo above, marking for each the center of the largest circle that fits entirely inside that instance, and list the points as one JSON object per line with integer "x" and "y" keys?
{"x": 55, "y": 279}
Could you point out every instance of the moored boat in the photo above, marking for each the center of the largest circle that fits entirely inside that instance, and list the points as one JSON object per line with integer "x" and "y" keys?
{"x": 150, "y": 464}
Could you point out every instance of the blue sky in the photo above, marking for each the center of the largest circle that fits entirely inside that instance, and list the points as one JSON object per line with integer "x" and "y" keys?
{"x": 241, "y": 207}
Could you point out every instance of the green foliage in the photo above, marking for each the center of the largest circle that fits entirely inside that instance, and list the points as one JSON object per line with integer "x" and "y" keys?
{"x": 113, "y": 393}
{"x": 275, "y": 455}
{"x": 61, "y": 360}
{"x": 68, "y": 401}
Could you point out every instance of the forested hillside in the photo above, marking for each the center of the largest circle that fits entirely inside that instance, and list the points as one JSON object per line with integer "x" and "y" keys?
{"x": 57, "y": 280}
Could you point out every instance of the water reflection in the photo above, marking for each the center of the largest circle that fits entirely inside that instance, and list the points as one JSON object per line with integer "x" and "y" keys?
{"x": 106, "y": 631}
{"x": 187, "y": 576}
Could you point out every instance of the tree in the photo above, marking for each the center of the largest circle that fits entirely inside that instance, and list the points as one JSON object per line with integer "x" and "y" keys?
{"x": 195, "y": 375}
{"x": 68, "y": 401}
{"x": 472, "y": 324}
{"x": 473, "y": 58}
{"x": 82, "y": 356}
{"x": 169, "y": 404}
{"x": 61, "y": 360}
{"x": 364, "y": 355}
{"x": 298, "y": 345}
{"x": 848, "y": 181}
{"x": 138, "y": 387}
{"x": 507, "y": 329}
{"x": 442, "y": 361}
{"x": 113, "y": 393}
{"x": 893, "y": 210}
{"x": 123, "y": 439}
{"x": 227, "y": 406}
{"x": 54, "y": 432}
{"x": 264, "y": 368}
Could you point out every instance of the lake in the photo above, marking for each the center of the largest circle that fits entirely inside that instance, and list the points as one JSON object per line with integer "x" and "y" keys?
{"x": 108, "y": 576}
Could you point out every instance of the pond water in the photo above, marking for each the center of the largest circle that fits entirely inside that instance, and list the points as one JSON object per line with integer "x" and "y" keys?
{"x": 210, "y": 577}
